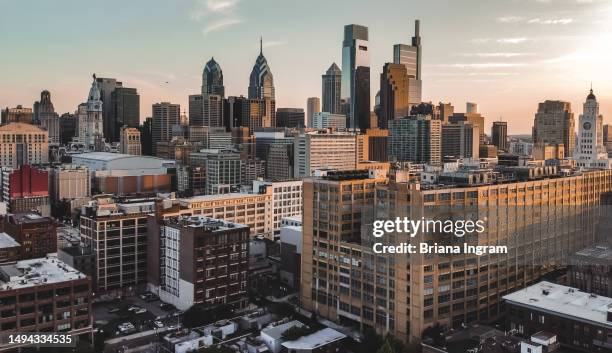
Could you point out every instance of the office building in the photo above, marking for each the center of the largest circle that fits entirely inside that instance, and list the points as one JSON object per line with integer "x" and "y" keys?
{"x": 286, "y": 199}
{"x": 280, "y": 161}
{"x": 474, "y": 118}
{"x": 209, "y": 137}
{"x": 69, "y": 182}
{"x": 19, "y": 114}
{"x": 499, "y": 135}
{"x": 374, "y": 145}
{"x": 313, "y": 106}
{"x": 234, "y": 109}
{"x": 590, "y": 150}
{"x": 223, "y": 169}
{"x": 261, "y": 82}
{"x": 23, "y": 144}
{"x": 106, "y": 87}
{"x": 198, "y": 260}
{"x": 324, "y": 120}
{"x": 330, "y": 92}
{"x": 415, "y": 139}
{"x": 116, "y": 233}
{"x": 548, "y": 151}
{"x": 290, "y": 117}
{"x": 471, "y": 108}
{"x": 129, "y": 141}
{"x": 26, "y": 189}
{"x": 47, "y": 117}
{"x": 554, "y": 124}
{"x": 445, "y": 111}
{"x": 165, "y": 116}
{"x": 125, "y": 111}
{"x": 403, "y": 295}
{"x": 324, "y": 150}
{"x": 252, "y": 169}
{"x": 9, "y": 249}
{"x": 394, "y": 95}
{"x": 581, "y": 320}
{"x": 355, "y": 86}
{"x": 607, "y": 137}
{"x": 411, "y": 57}
{"x": 211, "y": 100}
{"x": 37, "y": 235}
{"x": 177, "y": 149}
{"x": 589, "y": 270}
{"x": 67, "y": 128}
{"x": 45, "y": 295}
{"x": 91, "y": 118}
{"x": 196, "y": 110}
{"x": 460, "y": 140}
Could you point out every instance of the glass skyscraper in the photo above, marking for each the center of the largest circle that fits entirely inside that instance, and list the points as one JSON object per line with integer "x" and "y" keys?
{"x": 410, "y": 56}
{"x": 355, "y": 86}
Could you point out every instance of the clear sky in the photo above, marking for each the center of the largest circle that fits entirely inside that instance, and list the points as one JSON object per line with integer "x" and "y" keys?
{"x": 505, "y": 55}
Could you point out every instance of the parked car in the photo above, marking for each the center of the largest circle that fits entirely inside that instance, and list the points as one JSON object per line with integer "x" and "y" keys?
{"x": 158, "y": 324}
{"x": 113, "y": 309}
{"x": 134, "y": 308}
{"x": 126, "y": 327}
{"x": 140, "y": 311}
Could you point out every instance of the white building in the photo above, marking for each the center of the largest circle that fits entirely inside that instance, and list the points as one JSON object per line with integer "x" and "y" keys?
{"x": 590, "y": 150}
{"x": 117, "y": 164}
{"x": 286, "y": 199}
{"x": 273, "y": 336}
{"x": 90, "y": 120}
{"x": 69, "y": 182}
{"x": 324, "y": 150}
{"x": 324, "y": 120}
{"x": 22, "y": 143}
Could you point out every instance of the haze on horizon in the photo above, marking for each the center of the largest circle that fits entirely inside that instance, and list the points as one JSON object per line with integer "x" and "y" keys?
{"x": 505, "y": 55}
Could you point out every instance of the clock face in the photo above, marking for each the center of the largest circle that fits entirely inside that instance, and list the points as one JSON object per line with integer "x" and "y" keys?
{"x": 586, "y": 126}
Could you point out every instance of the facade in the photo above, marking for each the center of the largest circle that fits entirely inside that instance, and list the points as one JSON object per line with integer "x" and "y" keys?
{"x": 116, "y": 234}
{"x": 165, "y": 116}
{"x": 69, "y": 182}
{"x": 261, "y": 82}
{"x": 355, "y": 86}
{"x": 590, "y": 150}
{"x": 129, "y": 141}
{"x": 198, "y": 260}
{"x": 209, "y": 137}
{"x": 324, "y": 120}
{"x": 416, "y": 139}
{"x": 460, "y": 140}
{"x": 23, "y": 144}
{"x": 37, "y": 235}
{"x": 213, "y": 93}
{"x": 68, "y": 128}
{"x": 125, "y": 111}
{"x": 280, "y": 161}
{"x": 580, "y": 320}
{"x": 474, "y": 118}
{"x": 45, "y": 295}
{"x": 313, "y": 106}
{"x": 330, "y": 91}
{"x": 106, "y": 87}
{"x": 26, "y": 189}
{"x": 394, "y": 94}
{"x": 286, "y": 199}
{"x": 590, "y": 270}
{"x": 411, "y": 57}
{"x": 19, "y": 114}
{"x": 91, "y": 118}
{"x": 499, "y": 135}
{"x": 324, "y": 150}
{"x": 48, "y": 118}
{"x": 554, "y": 124}
{"x": 223, "y": 169}
{"x": 10, "y": 250}
{"x": 290, "y": 117}
{"x": 403, "y": 295}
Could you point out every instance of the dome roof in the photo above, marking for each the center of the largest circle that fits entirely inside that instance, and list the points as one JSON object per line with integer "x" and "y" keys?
{"x": 212, "y": 78}
{"x": 94, "y": 91}
{"x": 212, "y": 66}
{"x": 591, "y": 95}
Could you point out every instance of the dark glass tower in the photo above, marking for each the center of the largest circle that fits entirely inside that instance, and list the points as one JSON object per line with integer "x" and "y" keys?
{"x": 331, "y": 90}
{"x": 355, "y": 85}
{"x": 261, "y": 82}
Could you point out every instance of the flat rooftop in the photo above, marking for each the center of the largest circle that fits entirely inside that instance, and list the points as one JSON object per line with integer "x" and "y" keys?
{"x": 276, "y": 332}
{"x": 564, "y": 301}
{"x": 207, "y": 223}
{"x": 597, "y": 252}
{"x": 33, "y": 272}
{"x": 233, "y": 195}
{"x": 6, "y": 241}
{"x": 314, "y": 340}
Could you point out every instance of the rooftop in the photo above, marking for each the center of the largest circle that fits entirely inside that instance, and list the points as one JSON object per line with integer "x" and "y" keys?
{"x": 204, "y": 222}
{"x": 20, "y": 127}
{"x": 33, "y": 272}
{"x": 6, "y": 241}
{"x": 276, "y": 332}
{"x": 597, "y": 252}
{"x": 314, "y": 340}
{"x": 108, "y": 156}
{"x": 233, "y": 195}
{"x": 564, "y": 301}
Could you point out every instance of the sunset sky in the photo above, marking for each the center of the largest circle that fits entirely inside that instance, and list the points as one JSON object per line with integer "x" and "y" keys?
{"x": 505, "y": 55}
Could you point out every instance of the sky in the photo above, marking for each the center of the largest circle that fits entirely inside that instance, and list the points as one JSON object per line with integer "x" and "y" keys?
{"x": 505, "y": 55}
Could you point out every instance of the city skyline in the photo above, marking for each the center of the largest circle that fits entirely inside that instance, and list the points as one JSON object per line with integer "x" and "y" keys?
{"x": 529, "y": 53}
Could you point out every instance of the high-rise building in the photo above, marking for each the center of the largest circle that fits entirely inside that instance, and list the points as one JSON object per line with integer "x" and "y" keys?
{"x": 460, "y": 140}
{"x": 196, "y": 110}
{"x": 290, "y": 117}
{"x": 37, "y": 235}
{"x": 18, "y": 114}
{"x": 590, "y": 150}
{"x": 554, "y": 124}
{"x": 234, "y": 110}
{"x": 394, "y": 96}
{"x": 313, "y": 106}
{"x": 129, "y": 141}
{"x": 324, "y": 120}
{"x": 474, "y": 118}
{"x": 198, "y": 260}
{"x": 165, "y": 116}
{"x": 280, "y": 161}
{"x": 106, "y": 86}
{"x": 223, "y": 169}
{"x": 261, "y": 83}
{"x": 125, "y": 112}
{"x": 286, "y": 199}
{"x": 607, "y": 137}
{"x": 330, "y": 92}
{"x": 21, "y": 144}
{"x": 69, "y": 182}
{"x": 411, "y": 56}
{"x": 91, "y": 121}
{"x": 209, "y": 137}
{"x": 26, "y": 189}
{"x": 324, "y": 150}
{"x": 471, "y": 108}
{"x": 416, "y": 139}
{"x": 146, "y": 137}
{"x": 499, "y": 135}
{"x": 355, "y": 86}
{"x": 68, "y": 128}
{"x": 213, "y": 93}
{"x": 47, "y": 117}
{"x": 375, "y": 145}
{"x": 446, "y": 110}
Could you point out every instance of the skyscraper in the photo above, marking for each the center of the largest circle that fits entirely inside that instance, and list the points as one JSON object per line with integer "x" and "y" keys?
{"x": 416, "y": 139}
{"x": 499, "y": 134}
{"x": 165, "y": 116}
{"x": 330, "y": 92}
{"x": 125, "y": 111}
{"x": 460, "y": 140}
{"x": 590, "y": 150}
{"x": 313, "y": 106}
{"x": 213, "y": 93}
{"x": 394, "y": 97}
{"x": 261, "y": 83}
{"x": 554, "y": 124}
{"x": 47, "y": 117}
{"x": 290, "y": 117}
{"x": 355, "y": 86}
{"x": 129, "y": 142}
{"x": 106, "y": 86}
{"x": 91, "y": 117}
{"x": 410, "y": 56}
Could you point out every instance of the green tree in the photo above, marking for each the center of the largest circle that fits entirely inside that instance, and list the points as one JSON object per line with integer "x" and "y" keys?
{"x": 386, "y": 348}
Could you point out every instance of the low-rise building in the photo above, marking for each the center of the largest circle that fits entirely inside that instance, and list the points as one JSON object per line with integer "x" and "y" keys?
{"x": 591, "y": 270}
{"x": 9, "y": 248}
{"x": 37, "y": 235}
{"x": 322, "y": 341}
{"x": 286, "y": 199}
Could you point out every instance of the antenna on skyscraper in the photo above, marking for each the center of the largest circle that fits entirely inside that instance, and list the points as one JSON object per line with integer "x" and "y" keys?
{"x": 260, "y": 44}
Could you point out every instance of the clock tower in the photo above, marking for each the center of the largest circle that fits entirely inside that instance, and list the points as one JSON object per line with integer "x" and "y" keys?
{"x": 590, "y": 150}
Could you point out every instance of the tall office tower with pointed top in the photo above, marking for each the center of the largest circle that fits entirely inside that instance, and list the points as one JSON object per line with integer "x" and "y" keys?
{"x": 330, "y": 92}
{"x": 48, "y": 118}
{"x": 261, "y": 93}
{"x": 355, "y": 86}
{"x": 410, "y": 56}
{"x": 91, "y": 119}
{"x": 213, "y": 93}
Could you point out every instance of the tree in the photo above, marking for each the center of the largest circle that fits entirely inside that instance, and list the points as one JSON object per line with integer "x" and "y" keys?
{"x": 295, "y": 332}
{"x": 386, "y": 348}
